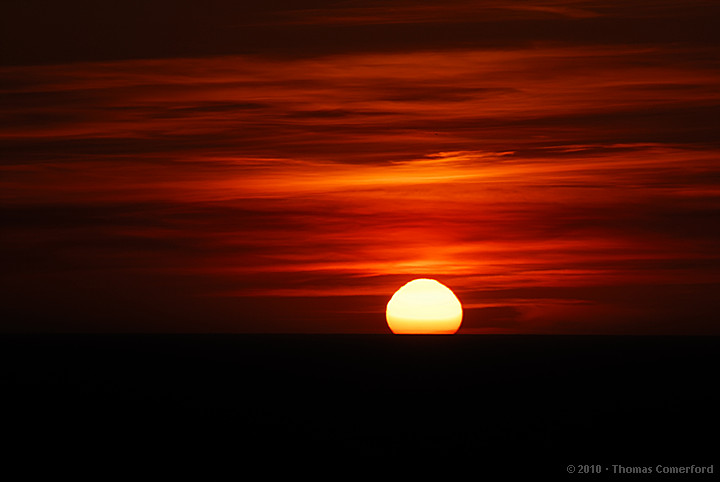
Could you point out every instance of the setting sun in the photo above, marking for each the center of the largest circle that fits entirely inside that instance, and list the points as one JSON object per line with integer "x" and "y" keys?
{"x": 424, "y": 306}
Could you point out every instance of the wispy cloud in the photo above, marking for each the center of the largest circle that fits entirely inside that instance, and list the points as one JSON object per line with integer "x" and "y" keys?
{"x": 401, "y": 12}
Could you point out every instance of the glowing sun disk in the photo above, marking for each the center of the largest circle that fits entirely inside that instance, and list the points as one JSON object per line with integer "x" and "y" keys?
{"x": 424, "y": 306}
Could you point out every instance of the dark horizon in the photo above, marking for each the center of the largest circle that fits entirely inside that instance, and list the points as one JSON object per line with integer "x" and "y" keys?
{"x": 491, "y": 404}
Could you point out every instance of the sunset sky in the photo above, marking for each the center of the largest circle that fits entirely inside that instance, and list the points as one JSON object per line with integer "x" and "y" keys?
{"x": 285, "y": 166}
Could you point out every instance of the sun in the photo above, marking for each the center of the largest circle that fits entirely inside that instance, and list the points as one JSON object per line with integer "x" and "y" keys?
{"x": 424, "y": 306}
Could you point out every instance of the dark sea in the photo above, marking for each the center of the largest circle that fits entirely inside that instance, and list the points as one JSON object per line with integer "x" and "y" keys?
{"x": 493, "y": 407}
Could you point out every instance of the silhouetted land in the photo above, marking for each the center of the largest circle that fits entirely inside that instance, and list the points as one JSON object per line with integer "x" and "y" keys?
{"x": 539, "y": 403}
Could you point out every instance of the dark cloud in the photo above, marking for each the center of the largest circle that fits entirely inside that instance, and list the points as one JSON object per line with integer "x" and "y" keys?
{"x": 38, "y": 31}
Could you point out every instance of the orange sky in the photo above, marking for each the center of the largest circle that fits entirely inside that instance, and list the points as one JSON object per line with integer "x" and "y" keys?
{"x": 558, "y": 183}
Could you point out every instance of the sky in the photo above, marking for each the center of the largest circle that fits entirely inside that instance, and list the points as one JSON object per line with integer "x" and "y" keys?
{"x": 284, "y": 166}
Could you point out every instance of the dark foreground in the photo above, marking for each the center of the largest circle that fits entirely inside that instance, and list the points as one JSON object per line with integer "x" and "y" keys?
{"x": 304, "y": 403}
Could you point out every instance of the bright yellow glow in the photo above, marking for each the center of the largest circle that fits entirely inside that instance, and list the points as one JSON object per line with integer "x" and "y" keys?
{"x": 424, "y": 306}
